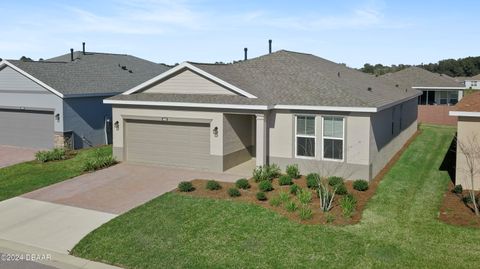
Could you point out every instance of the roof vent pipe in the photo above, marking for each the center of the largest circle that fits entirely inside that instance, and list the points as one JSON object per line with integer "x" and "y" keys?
{"x": 83, "y": 44}
{"x": 245, "y": 49}
{"x": 71, "y": 55}
{"x": 269, "y": 46}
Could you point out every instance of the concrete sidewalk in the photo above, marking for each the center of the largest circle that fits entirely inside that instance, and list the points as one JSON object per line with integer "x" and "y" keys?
{"x": 47, "y": 259}
{"x": 47, "y": 225}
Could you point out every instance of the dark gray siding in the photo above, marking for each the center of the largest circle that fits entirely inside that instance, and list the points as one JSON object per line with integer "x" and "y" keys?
{"x": 85, "y": 117}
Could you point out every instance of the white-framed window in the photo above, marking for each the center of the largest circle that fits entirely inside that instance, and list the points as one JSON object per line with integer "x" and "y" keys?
{"x": 333, "y": 137}
{"x": 443, "y": 97}
{"x": 305, "y": 136}
{"x": 473, "y": 83}
{"x": 453, "y": 97}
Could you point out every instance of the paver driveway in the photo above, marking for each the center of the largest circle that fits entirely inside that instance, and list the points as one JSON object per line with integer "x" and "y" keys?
{"x": 58, "y": 216}
{"x": 10, "y": 155}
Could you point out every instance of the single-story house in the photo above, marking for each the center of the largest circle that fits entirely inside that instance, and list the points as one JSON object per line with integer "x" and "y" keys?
{"x": 470, "y": 82}
{"x": 59, "y": 101}
{"x": 439, "y": 93}
{"x": 468, "y": 140}
{"x": 283, "y": 108}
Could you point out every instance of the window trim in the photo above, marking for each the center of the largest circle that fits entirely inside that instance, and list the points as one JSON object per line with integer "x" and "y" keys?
{"x": 306, "y": 136}
{"x": 335, "y": 138}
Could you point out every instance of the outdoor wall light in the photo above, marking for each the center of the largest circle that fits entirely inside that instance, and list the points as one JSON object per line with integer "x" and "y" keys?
{"x": 116, "y": 125}
{"x": 57, "y": 117}
{"x": 215, "y": 131}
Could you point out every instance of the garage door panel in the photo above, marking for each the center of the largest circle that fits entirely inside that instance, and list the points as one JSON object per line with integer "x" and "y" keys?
{"x": 168, "y": 143}
{"x": 25, "y": 128}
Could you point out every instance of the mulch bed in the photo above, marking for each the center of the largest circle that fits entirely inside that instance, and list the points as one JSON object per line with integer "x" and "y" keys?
{"x": 334, "y": 216}
{"x": 455, "y": 212}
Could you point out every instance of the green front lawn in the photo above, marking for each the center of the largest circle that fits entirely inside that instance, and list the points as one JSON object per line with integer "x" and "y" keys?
{"x": 28, "y": 176}
{"x": 399, "y": 228}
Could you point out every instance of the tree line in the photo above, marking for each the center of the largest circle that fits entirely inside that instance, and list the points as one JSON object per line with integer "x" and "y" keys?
{"x": 463, "y": 67}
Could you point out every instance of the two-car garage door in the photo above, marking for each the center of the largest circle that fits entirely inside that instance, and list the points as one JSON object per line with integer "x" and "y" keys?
{"x": 26, "y": 128}
{"x": 184, "y": 144}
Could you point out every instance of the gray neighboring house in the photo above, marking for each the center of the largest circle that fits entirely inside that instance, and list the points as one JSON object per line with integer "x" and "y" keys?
{"x": 284, "y": 108}
{"x": 437, "y": 89}
{"x": 57, "y": 102}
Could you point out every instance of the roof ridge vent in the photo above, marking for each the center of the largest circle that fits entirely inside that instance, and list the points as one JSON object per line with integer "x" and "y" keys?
{"x": 369, "y": 89}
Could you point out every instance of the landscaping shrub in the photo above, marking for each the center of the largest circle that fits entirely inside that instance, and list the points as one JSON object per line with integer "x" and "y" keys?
{"x": 266, "y": 172}
{"x": 275, "y": 201}
{"x": 291, "y": 206}
{"x": 305, "y": 213}
{"x": 334, "y": 181}
{"x": 458, "y": 189}
{"x": 304, "y": 196}
{"x": 265, "y": 186}
{"x": 50, "y": 155}
{"x": 213, "y": 185}
{"x": 360, "y": 185}
{"x": 285, "y": 180}
{"x": 259, "y": 174}
{"x": 348, "y": 203}
{"x": 242, "y": 184}
{"x": 99, "y": 162}
{"x": 294, "y": 189}
{"x": 185, "y": 186}
{"x": 261, "y": 196}
{"x": 330, "y": 217}
{"x": 341, "y": 189}
{"x": 292, "y": 171}
{"x": 272, "y": 171}
{"x": 233, "y": 192}
{"x": 284, "y": 196}
{"x": 312, "y": 180}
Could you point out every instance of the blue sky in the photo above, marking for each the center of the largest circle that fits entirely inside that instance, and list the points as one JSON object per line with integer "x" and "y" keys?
{"x": 352, "y": 32}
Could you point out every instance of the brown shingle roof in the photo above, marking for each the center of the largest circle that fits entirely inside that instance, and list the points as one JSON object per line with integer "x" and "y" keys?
{"x": 469, "y": 103}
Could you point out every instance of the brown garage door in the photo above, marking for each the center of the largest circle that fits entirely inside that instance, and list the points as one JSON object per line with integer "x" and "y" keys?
{"x": 168, "y": 143}
{"x": 26, "y": 128}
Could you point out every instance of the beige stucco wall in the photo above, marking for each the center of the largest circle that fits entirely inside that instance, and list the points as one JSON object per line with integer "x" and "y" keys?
{"x": 468, "y": 132}
{"x": 281, "y": 129}
{"x": 384, "y": 143}
{"x": 188, "y": 82}
{"x": 120, "y": 113}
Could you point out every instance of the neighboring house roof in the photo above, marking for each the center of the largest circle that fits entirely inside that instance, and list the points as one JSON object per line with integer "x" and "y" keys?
{"x": 416, "y": 77}
{"x": 91, "y": 74}
{"x": 282, "y": 79}
{"x": 477, "y": 77}
{"x": 462, "y": 79}
{"x": 469, "y": 106}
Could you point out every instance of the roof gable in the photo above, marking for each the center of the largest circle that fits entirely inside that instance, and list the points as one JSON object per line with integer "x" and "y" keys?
{"x": 188, "y": 82}
{"x": 13, "y": 81}
{"x": 30, "y": 77}
{"x": 187, "y": 66}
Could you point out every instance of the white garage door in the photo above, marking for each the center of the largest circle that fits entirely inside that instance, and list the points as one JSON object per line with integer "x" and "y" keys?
{"x": 25, "y": 128}
{"x": 168, "y": 143}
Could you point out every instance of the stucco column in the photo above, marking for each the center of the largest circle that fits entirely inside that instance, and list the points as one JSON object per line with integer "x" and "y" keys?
{"x": 261, "y": 140}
